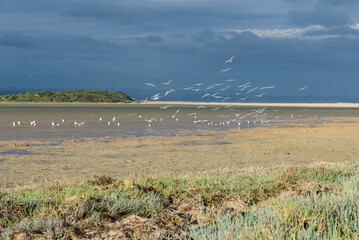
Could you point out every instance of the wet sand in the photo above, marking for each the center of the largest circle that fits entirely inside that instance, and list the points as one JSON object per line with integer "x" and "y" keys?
{"x": 31, "y": 162}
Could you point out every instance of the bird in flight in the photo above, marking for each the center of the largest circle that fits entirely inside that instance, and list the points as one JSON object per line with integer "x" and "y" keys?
{"x": 197, "y": 84}
{"x": 229, "y": 60}
{"x": 303, "y": 88}
{"x": 165, "y": 107}
{"x": 150, "y": 84}
{"x": 169, "y": 91}
{"x": 167, "y": 83}
{"x": 205, "y": 95}
{"x": 231, "y": 80}
{"x": 267, "y": 87}
{"x": 226, "y": 70}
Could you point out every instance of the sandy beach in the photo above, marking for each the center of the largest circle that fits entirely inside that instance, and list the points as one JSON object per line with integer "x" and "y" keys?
{"x": 33, "y": 161}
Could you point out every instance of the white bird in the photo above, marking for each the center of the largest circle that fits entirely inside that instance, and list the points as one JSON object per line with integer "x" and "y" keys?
{"x": 224, "y": 99}
{"x": 259, "y": 95}
{"x": 266, "y": 87}
{"x": 209, "y": 88}
{"x": 218, "y": 84}
{"x": 167, "y": 83}
{"x": 197, "y": 84}
{"x": 156, "y": 96}
{"x": 229, "y": 60}
{"x": 177, "y": 111}
{"x": 187, "y": 88}
{"x": 150, "y": 120}
{"x": 113, "y": 119}
{"x": 231, "y": 80}
{"x": 165, "y": 107}
{"x": 150, "y": 84}
{"x": 205, "y": 95}
{"x": 251, "y": 90}
{"x": 169, "y": 91}
{"x": 14, "y": 124}
{"x": 63, "y": 120}
{"x": 242, "y": 99}
{"x": 226, "y": 70}
{"x": 196, "y": 90}
{"x": 201, "y": 107}
{"x": 100, "y": 119}
{"x": 224, "y": 89}
{"x": 303, "y": 88}
{"x": 192, "y": 114}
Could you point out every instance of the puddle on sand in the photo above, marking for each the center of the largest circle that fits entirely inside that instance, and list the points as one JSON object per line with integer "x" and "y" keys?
{"x": 17, "y": 152}
{"x": 2, "y": 160}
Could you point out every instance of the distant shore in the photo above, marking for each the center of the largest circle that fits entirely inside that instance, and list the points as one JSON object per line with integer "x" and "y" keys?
{"x": 248, "y": 104}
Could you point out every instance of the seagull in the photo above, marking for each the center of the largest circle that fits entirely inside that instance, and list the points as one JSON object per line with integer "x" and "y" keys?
{"x": 266, "y": 87}
{"x": 231, "y": 80}
{"x": 229, "y": 60}
{"x": 218, "y": 84}
{"x": 259, "y": 95}
{"x": 150, "y": 120}
{"x": 201, "y": 107}
{"x": 242, "y": 99}
{"x": 197, "y": 84}
{"x": 167, "y": 83}
{"x": 303, "y": 88}
{"x": 150, "y": 84}
{"x": 252, "y": 90}
{"x": 205, "y": 95}
{"x": 165, "y": 107}
{"x": 209, "y": 88}
{"x": 224, "y": 89}
{"x": 187, "y": 88}
{"x": 226, "y": 70}
{"x": 224, "y": 99}
{"x": 156, "y": 96}
{"x": 169, "y": 91}
{"x": 177, "y": 111}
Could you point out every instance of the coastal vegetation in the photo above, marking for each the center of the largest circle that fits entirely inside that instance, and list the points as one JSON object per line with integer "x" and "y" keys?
{"x": 82, "y": 95}
{"x": 292, "y": 203}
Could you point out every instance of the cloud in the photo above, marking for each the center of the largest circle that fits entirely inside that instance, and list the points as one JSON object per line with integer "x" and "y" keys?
{"x": 325, "y": 16}
{"x": 153, "y": 39}
{"x": 336, "y": 31}
{"x": 18, "y": 40}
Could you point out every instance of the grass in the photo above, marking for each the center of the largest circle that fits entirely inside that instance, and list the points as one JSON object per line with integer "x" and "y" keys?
{"x": 297, "y": 202}
{"x": 81, "y": 95}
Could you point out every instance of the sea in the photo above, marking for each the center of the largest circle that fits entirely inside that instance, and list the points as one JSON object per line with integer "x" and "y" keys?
{"x": 71, "y": 121}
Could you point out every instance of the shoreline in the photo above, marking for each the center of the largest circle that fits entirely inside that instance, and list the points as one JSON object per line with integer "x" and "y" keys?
{"x": 308, "y": 105}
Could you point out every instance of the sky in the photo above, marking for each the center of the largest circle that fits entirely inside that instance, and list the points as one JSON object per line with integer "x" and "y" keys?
{"x": 121, "y": 45}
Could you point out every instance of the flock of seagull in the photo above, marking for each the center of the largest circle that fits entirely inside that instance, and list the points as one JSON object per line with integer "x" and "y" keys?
{"x": 216, "y": 91}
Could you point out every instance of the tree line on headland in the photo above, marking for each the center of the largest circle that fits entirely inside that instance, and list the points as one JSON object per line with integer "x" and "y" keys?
{"x": 82, "y": 95}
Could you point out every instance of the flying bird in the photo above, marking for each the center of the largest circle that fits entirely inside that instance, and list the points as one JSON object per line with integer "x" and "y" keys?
{"x": 226, "y": 70}
{"x": 231, "y": 80}
{"x": 150, "y": 84}
{"x": 167, "y": 83}
{"x": 303, "y": 88}
{"x": 266, "y": 87}
{"x": 165, "y": 107}
{"x": 205, "y": 95}
{"x": 169, "y": 91}
{"x": 229, "y": 60}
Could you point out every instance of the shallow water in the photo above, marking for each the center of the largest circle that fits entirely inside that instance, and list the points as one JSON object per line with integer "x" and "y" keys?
{"x": 132, "y": 119}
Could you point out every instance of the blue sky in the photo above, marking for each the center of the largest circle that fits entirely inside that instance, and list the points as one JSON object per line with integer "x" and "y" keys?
{"x": 119, "y": 45}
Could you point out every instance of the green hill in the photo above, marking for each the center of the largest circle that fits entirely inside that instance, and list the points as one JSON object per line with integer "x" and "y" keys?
{"x": 83, "y": 95}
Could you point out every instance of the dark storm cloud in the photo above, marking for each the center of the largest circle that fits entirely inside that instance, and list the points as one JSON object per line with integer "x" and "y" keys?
{"x": 325, "y": 16}
{"x": 17, "y": 39}
{"x": 112, "y": 44}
